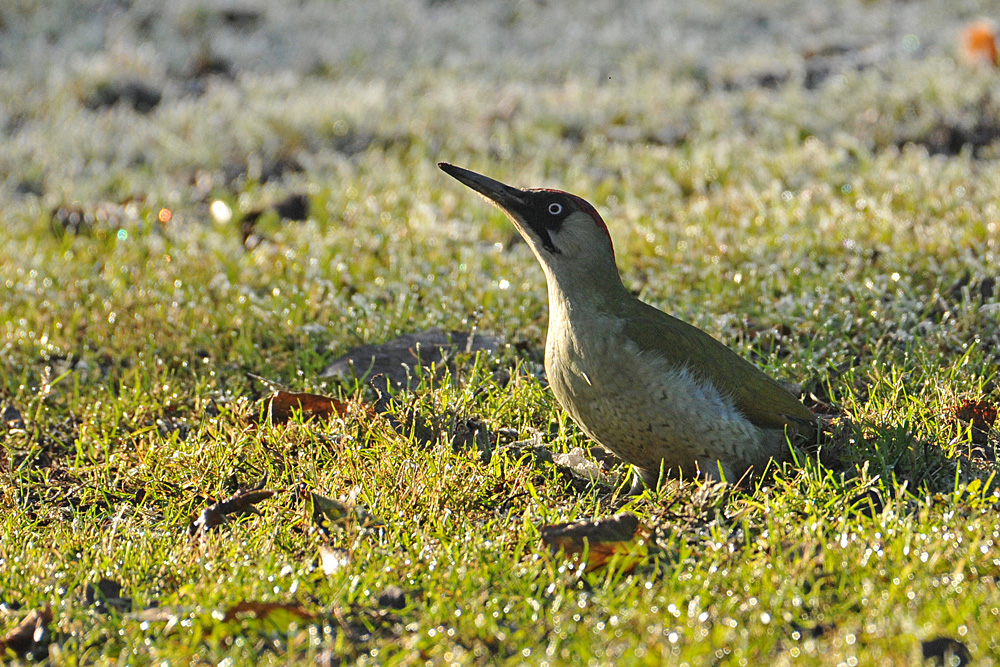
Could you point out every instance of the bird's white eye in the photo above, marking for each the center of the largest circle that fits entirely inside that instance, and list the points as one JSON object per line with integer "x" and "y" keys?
{"x": 555, "y": 208}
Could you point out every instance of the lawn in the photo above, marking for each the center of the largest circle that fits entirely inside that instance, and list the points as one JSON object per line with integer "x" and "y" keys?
{"x": 205, "y": 203}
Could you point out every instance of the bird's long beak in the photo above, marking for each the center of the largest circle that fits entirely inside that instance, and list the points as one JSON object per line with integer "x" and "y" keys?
{"x": 508, "y": 198}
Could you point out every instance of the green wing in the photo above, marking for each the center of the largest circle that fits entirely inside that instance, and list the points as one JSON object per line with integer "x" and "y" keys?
{"x": 759, "y": 397}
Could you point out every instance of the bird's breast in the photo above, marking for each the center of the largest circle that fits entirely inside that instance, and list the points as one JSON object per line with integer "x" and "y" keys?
{"x": 639, "y": 404}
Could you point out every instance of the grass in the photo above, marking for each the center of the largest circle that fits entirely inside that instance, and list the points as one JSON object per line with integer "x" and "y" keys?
{"x": 825, "y": 231}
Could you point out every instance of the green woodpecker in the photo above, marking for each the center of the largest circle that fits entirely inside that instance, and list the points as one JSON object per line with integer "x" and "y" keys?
{"x": 658, "y": 392}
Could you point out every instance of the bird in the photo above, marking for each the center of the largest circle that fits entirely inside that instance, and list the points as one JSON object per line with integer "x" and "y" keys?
{"x": 663, "y": 395}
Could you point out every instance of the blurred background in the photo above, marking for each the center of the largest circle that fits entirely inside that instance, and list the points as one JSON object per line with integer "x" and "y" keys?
{"x": 204, "y": 92}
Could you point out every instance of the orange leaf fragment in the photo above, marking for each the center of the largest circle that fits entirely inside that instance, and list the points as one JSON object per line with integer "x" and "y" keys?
{"x": 981, "y": 415}
{"x": 979, "y": 44}
{"x": 596, "y": 543}
{"x": 281, "y": 405}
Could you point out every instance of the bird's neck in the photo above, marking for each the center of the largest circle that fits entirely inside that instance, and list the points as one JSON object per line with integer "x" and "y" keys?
{"x": 594, "y": 288}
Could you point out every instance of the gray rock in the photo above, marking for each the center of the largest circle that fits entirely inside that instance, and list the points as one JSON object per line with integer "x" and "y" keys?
{"x": 398, "y": 360}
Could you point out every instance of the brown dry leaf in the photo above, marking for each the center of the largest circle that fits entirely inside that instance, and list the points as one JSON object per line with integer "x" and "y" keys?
{"x": 281, "y": 405}
{"x": 239, "y": 504}
{"x": 29, "y": 633}
{"x": 255, "y": 609}
{"x": 621, "y": 538}
{"x": 981, "y": 415}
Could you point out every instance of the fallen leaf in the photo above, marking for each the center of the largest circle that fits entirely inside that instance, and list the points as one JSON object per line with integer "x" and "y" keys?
{"x": 981, "y": 415}
{"x": 280, "y": 406}
{"x": 946, "y": 651}
{"x": 327, "y": 510}
{"x": 397, "y": 359}
{"x": 253, "y": 609}
{"x": 329, "y": 513}
{"x": 979, "y": 44}
{"x": 239, "y": 504}
{"x": 620, "y": 538}
{"x": 28, "y": 635}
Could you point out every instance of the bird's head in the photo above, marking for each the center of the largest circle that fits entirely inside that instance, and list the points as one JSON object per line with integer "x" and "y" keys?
{"x": 560, "y": 228}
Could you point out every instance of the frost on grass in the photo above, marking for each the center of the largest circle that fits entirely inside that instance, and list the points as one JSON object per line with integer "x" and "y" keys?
{"x": 813, "y": 183}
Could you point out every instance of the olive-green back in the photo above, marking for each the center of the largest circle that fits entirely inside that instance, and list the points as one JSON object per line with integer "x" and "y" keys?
{"x": 759, "y": 397}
